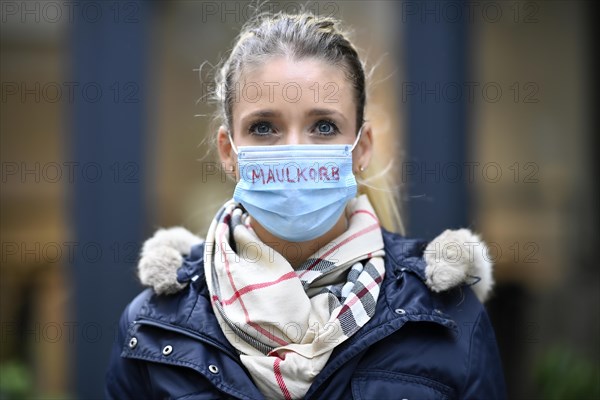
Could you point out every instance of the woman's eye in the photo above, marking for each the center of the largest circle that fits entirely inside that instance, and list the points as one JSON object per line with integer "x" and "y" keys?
{"x": 261, "y": 129}
{"x": 326, "y": 128}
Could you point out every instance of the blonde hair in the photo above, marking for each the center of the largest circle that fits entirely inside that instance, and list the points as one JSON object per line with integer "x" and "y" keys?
{"x": 300, "y": 36}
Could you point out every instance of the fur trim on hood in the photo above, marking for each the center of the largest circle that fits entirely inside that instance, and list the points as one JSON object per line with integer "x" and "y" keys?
{"x": 453, "y": 258}
{"x": 458, "y": 256}
{"x": 162, "y": 255}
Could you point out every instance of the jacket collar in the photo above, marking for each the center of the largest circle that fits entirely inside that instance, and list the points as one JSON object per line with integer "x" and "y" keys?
{"x": 404, "y": 254}
{"x": 404, "y": 295}
{"x": 163, "y": 254}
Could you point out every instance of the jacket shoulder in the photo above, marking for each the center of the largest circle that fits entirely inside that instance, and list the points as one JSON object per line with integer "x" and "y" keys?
{"x": 453, "y": 259}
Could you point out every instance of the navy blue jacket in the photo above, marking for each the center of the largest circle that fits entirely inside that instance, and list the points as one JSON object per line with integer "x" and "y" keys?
{"x": 418, "y": 345}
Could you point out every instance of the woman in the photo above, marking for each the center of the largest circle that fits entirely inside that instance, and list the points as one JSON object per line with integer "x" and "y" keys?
{"x": 297, "y": 291}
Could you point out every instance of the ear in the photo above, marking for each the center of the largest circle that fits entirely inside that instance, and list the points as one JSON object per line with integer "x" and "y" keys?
{"x": 361, "y": 156}
{"x": 226, "y": 153}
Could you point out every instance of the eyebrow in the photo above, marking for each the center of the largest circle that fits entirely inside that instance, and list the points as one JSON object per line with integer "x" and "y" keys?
{"x": 263, "y": 113}
{"x": 325, "y": 112}
{"x": 313, "y": 112}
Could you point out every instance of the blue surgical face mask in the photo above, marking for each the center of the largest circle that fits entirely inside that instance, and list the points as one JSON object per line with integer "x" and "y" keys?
{"x": 296, "y": 192}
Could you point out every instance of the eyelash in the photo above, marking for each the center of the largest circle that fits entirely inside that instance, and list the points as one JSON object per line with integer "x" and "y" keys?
{"x": 252, "y": 128}
{"x": 333, "y": 126}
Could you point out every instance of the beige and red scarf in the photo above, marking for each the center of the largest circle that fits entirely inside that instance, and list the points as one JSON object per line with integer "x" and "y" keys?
{"x": 285, "y": 323}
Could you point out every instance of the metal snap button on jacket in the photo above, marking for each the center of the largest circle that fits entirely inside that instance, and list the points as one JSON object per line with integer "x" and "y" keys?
{"x": 133, "y": 342}
{"x": 400, "y": 311}
{"x": 167, "y": 350}
{"x": 213, "y": 369}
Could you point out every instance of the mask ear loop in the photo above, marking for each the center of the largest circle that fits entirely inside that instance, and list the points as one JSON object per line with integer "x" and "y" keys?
{"x": 357, "y": 138}
{"x": 233, "y": 146}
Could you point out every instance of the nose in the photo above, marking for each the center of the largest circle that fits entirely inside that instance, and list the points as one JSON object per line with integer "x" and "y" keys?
{"x": 294, "y": 136}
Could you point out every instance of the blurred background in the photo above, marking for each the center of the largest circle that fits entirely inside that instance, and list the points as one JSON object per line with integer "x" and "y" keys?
{"x": 487, "y": 109}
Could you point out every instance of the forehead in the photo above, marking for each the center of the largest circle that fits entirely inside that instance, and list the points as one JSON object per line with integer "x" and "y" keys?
{"x": 286, "y": 69}
{"x": 295, "y": 85}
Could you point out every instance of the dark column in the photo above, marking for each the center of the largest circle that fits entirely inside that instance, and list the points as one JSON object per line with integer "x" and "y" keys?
{"x": 435, "y": 93}
{"x": 107, "y": 140}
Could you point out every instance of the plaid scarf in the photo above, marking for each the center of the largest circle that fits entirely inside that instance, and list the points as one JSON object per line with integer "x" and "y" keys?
{"x": 285, "y": 323}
